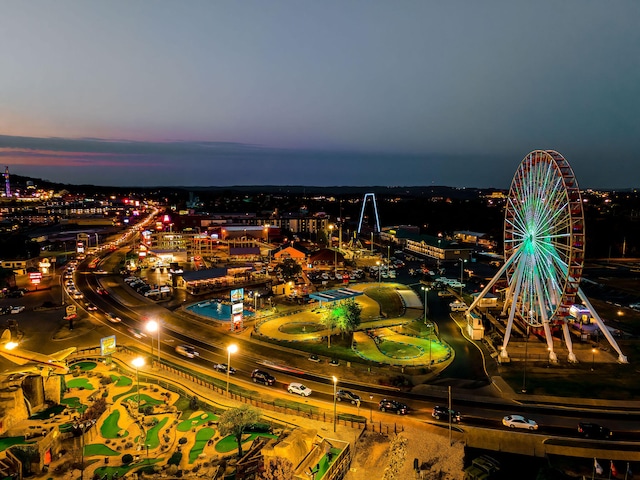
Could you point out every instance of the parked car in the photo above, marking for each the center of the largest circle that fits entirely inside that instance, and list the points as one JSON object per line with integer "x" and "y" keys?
{"x": 314, "y": 358}
{"x": 299, "y": 389}
{"x": 222, "y": 367}
{"x": 593, "y": 430}
{"x": 112, "y": 317}
{"x": 393, "y": 406}
{"x": 518, "y": 421}
{"x": 17, "y": 309}
{"x": 187, "y": 351}
{"x": 260, "y": 376}
{"x": 334, "y": 362}
{"x": 442, "y": 413}
{"x": 347, "y": 396}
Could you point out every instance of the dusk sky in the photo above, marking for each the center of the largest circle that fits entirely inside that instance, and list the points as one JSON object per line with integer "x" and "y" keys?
{"x": 325, "y": 92}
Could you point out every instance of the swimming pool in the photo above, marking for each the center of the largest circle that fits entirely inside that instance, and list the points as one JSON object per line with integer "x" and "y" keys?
{"x": 216, "y": 310}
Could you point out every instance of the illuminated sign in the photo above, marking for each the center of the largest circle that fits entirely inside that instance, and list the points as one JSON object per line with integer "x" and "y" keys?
{"x": 237, "y": 295}
{"x": 35, "y": 277}
{"x": 236, "y": 308}
{"x": 108, "y": 345}
{"x": 237, "y": 319}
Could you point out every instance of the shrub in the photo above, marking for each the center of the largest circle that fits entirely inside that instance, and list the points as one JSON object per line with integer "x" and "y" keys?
{"x": 182, "y": 440}
{"x": 127, "y": 458}
{"x": 174, "y": 460}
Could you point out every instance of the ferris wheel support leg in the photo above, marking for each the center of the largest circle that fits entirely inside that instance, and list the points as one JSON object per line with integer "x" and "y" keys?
{"x": 603, "y": 328}
{"x": 512, "y": 313}
{"x": 553, "y": 358}
{"x": 567, "y": 339}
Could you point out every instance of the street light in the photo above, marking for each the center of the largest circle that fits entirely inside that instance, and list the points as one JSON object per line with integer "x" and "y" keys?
{"x": 593, "y": 358}
{"x": 426, "y": 307}
{"x": 462, "y": 262}
{"x": 138, "y": 362}
{"x": 233, "y": 348}
{"x": 379, "y": 271}
{"x": 335, "y": 385}
{"x": 153, "y": 326}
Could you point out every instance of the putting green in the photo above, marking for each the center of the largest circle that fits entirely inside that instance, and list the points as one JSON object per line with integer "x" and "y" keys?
{"x": 301, "y": 327}
{"x": 124, "y": 469}
{"x": 229, "y": 443}
{"x": 153, "y": 434}
{"x": 110, "y": 428}
{"x": 80, "y": 383}
{"x": 144, "y": 399}
{"x": 99, "y": 449}
{"x": 7, "y": 442}
{"x": 196, "y": 420}
{"x": 402, "y": 351}
{"x": 120, "y": 381}
{"x": 85, "y": 365}
{"x": 202, "y": 437}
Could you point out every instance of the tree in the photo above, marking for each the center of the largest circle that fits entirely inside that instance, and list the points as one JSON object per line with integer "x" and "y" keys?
{"x": 289, "y": 268}
{"x": 350, "y": 315}
{"x": 277, "y": 468}
{"x": 235, "y": 420}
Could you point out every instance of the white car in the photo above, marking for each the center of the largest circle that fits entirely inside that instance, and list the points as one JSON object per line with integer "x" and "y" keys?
{"x": 17, "y": 309}
{"x": 112, "y": 317}
{"x": 518, "y": 421}
{"x": 299, "y": 388}
{"x": 458, "y": 306}
{"x": 187, "y": 351}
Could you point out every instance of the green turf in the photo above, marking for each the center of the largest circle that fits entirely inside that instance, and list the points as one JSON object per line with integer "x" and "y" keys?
{"x": 80, "y": 383}
{"x": 99, "y": 449}
{"x": 228, "y": 443}
{"x": 153, "y": 434}
{"x": 301, "y": 327}
{"x": 388, "y": 299}
{"x": 397, "y": 350}
{"x": 128, "y": 392}
{"x": 202, "y": 437}
{"x": 110, "y": 428}
{"x": 121, "y": 381}
{"x": 51, "y": 411}
{"x": 144, "y": 400}
{"x": 6, "y": 442}
{"x": 124, "y": 469}
{"x": 85, "y": 366}
{"x": 196, "y": 421}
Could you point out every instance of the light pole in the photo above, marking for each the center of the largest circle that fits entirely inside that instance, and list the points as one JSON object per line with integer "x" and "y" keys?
{"x": 138, "y": 362}
{"x": 335, "y": 401}
{"x": 524, "y": 373}
{"x": 233, "y": 348}
{"x": 426, "y": 306}
{"x": 593, "y": 358}
{"x": 379, "y": 271}
{"x": 153, "y": 326}
{"x": 462, "y": 262}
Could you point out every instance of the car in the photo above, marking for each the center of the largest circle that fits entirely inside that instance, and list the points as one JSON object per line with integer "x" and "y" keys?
{"x": 187, "y": 351}
{"x": 101, "y": 291}
{"x": 458, "y": 306}
{"x": 393, "y": 406}
{"x": 112, "y": 317}
{"x": 260, "y": 376}
{"x": 334, "y": 362}
{"x": 299, "y": 389}
{"x": 348, "y": 396}
{"x": 439, "y": 412}
{"x": 518, "y": 421}
{"x": 90, "y": 307}
{"x": 100, "y": 271}
{"x": 15, "y": 294}
{"x": 222, "y": 367}
{"x": 77, "y": 295}
{"x": 136, "y": 333}
{"x": 314, "y": 358}
{"x": 17, "y": 309}
{"x": 593, "y": 430}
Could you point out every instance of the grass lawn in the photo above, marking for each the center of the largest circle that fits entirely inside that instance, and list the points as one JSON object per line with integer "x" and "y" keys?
{"x": 388, "y": 299}
{"x": 399, "y": 350}
{"x": 124, "y": 469}
{"x": 6, "y": 442}
{"x": 302, "y": 327}
{"x": 202, "y": 437}
{"x": 144, "y": 400}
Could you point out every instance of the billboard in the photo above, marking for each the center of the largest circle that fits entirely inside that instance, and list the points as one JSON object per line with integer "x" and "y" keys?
{"x": 236, "y": 308}
{"x": 237, "y": 295}
{"x": 108, "y": 345}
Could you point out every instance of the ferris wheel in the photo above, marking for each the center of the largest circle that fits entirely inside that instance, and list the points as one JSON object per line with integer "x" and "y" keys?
{"x": 543, "y": 250}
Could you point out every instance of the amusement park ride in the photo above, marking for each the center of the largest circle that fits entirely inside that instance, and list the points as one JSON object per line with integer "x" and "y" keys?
{"x": 544, "y": 251}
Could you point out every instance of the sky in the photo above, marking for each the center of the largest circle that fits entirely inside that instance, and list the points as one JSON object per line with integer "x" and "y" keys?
{"x": 331, "y": 92}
